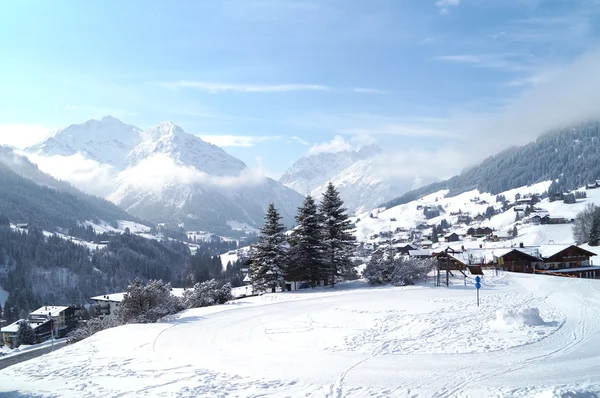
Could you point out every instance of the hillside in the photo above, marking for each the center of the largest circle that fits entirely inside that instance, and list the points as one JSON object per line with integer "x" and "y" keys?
{"x": 357, "y": 175}
{"x": 572, "y": 154}
{"x": 28, "y": 195}
{"x": 164, "y": 175}
{"x": 531, "y": 336}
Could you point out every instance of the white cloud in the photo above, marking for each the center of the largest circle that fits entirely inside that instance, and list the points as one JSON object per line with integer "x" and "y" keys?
{"x": 237, "y": 140}
{"x": 508, "y": 61}
{"x": 214, "y": 87}
{"x": 300, "y": 140}
{"x": 88, "y": 175}
{"x": 337, "y": 144}
{"x": 157, "y": 171}
{"x": 444, "y": 5}
{"x": 428, "y": 40}
{"x": 368, "y": 90}
{"x": 22, "y": 135}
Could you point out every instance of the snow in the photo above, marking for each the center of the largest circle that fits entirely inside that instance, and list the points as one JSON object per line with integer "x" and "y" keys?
{"x": 231, "y": 256}
{"x": 519, "y": 318}
{"x": 3, "y": 296}
{"x": 118, "y": 297}
{"x": 241, "y": 226}
{"x": 25, "y": 348}
{"x": 531, "y": 335}
{"x": 52, "y": 310}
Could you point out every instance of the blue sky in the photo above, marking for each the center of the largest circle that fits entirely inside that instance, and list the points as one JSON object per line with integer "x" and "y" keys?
{"x": 273, "y": 80}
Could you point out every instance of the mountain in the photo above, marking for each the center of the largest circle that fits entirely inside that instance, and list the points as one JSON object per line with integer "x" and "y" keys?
{"x": 168, "y": 139}
{"x": 30, "y": 196}
{"x": 175, "y": 177}
{"x": 356, "y": 174}
{"x": 570, "y": 156}
{"x": 107, "y": 141}
{"x": 166, "y": 175}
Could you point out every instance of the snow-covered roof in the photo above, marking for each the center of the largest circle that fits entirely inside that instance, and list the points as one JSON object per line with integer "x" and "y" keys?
{"x": 12, "y": 328}
{"x": 49, "y": 310}
{"x": 419, "y": 253}
{"x": 550, "y": 250}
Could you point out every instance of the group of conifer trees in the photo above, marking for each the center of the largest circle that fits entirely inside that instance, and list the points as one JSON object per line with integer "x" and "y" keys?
{"x": 319, "y": 249}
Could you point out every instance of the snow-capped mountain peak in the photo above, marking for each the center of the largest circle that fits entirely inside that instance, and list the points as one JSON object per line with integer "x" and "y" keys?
{"x": 356, "y": 174}
{"x": 168, "y": 139}
{"x": 106, "y": 141}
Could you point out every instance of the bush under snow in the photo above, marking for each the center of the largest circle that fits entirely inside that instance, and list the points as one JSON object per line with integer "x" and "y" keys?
{"x": 399, "y": 270}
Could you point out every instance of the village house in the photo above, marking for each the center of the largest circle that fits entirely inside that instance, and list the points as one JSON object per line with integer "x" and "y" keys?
{"x": 107, "y": 305}
{"x": 594, "y": 185}
{"x": 562, "y": 260}
{"x": 479, "y": 231}
{"x": 45, "y": 322}
{"x": 500, "y": 236}
{"x": 452, "y": 237}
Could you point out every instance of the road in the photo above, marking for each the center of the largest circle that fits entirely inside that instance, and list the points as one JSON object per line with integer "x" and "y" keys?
{"x": 30, "y": 354}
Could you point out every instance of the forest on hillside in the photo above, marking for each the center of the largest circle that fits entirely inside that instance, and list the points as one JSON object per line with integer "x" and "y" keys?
{"x": 571, "y": 155}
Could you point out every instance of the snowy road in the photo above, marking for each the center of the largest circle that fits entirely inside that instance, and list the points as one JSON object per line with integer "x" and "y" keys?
{"x": 417, "y": 342}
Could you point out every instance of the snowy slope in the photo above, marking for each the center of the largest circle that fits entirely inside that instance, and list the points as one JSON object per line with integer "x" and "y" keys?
{"x": 531, "y": 335}
{"x": 409, "y": 215}
{"x": 177, "y": 178}
{"x": 310, "y": 172}
{"x": 169, "y": 140}
{"x": 356, "y": 174}
{"x": 3, "y": 296}
{"x": 362, "y": 187}
{"x": 107, "y": 141}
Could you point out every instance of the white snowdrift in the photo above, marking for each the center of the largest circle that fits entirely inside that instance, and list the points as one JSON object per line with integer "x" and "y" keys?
{"x": 523, "y": 317}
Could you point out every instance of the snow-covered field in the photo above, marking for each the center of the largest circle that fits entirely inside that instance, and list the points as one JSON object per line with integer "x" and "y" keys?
{"x": 532, "y": 335}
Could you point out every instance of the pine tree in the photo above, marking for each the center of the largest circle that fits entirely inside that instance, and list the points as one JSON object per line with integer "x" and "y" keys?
{"x": 306, "y": 253}
{"x": 434, "y": 235}
{"x": 338, "y": 239}
{"x": 270, "y": 259}
{"x": 515, "y": 232}
{"x": 25, "y": 334}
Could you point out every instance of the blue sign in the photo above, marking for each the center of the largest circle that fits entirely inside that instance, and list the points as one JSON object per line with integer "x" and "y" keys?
{"x": 477, "y": 279}
{"x": 477, "y": 285}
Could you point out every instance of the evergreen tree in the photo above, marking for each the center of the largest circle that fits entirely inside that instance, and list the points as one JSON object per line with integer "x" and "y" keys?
{"x": 306, "y": 253}
{"x": 270, "y": 259}
{"x": 25, "y": 334}
{"x": 338, "y": 239}
{"x": 515, "y": 232}
{"x": 434, "y": 235}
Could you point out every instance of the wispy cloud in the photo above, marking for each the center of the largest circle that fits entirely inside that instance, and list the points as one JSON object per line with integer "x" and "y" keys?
{"x": 22, "y": 135}
{"x": 401, "y": 130}
{"x": 368, "y": 90}
{"x": 509, "y": 61}
{"x": 337, "y": 144}
{"x": 300, "y": 140}
{"x": 214, "y": 87}
{"x": 444, "y": 5}
{"x": 237, "y": 140}
{"x": 428, "y": 40}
